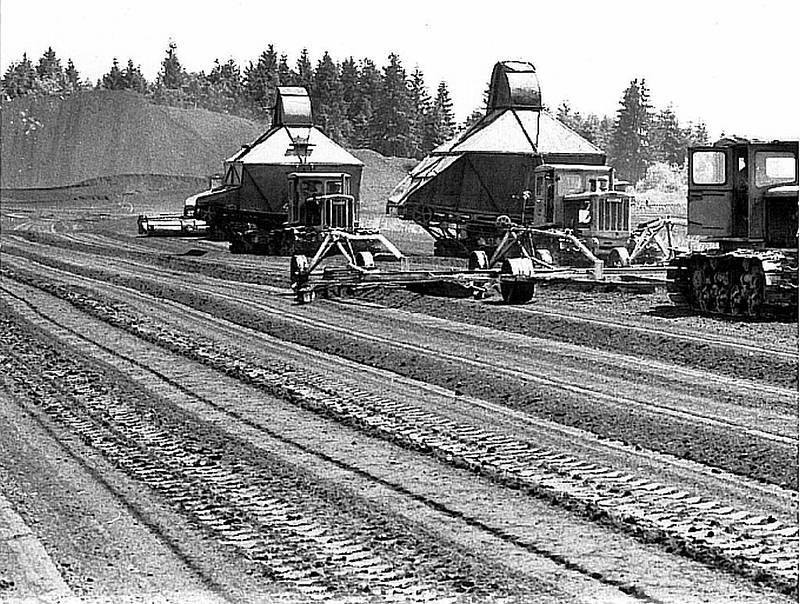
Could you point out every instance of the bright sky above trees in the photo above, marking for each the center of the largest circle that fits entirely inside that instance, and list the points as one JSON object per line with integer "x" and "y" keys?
{"x": 731, "y": 64}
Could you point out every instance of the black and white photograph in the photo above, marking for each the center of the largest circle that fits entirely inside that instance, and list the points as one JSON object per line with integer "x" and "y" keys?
{"x": 337, "y": 301}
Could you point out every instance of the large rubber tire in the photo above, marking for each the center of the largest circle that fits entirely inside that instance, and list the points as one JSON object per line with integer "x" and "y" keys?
{"x": 298, "y": 269}
{"x": 365, "y": 260}
{"x": 618, "y": 258}
{"x": 544, "y": 255}
{"x": 478, "y": 260}
{"x": 517, "y": 292}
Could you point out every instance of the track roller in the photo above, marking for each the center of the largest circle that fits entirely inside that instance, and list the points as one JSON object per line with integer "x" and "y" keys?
{"x": 738, "y": 283}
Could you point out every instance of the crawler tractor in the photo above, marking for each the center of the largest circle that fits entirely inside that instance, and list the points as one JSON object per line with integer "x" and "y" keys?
{"x": 743, "y": 197}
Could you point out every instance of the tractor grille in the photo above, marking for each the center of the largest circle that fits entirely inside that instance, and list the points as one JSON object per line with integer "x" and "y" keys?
{"x": 613, "y": 214}
{"x": 338, "y": 213}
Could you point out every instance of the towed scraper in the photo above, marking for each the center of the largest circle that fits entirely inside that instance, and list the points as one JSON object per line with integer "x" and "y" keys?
{"x": 515, "y": 278}
{"x": 514, "y": 269}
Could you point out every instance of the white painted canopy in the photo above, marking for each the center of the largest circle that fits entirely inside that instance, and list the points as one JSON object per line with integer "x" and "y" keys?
{"x": 294, "y": 146}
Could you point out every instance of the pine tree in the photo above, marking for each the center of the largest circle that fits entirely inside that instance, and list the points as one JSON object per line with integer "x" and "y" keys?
{"x": 172, "y": 74}
{"x": 572, "y": 119}
{"x": 261, "y": 80}
{"x": 563, "y": 112}
{"x": 392, "y": 119}
{"x": 629, "y": 152}
{"x": 225, "y": 89}
{"x": 133, "y": 79}
{"x": 50, "y": 77}
{"x": 589, "y": 127}
{"x": 421, "y": 113}
{"x": 286, "y": 77}
{"x": 668, "y": 139}
{"x": 113, "y": 80}
{"x": 472, "y": 119}
{"x": 20, "y": 78}
{"x": 195, "y": 90}
{"x": 441, "y": 124}
{"x": 72, "y": 77}
{"x": 366, "y": 99}
{"x": 305, "y": 71}
{"x": 699, "y": 134}
{"x": 326, "y": 98}
{"x": 348, "y": 77}
{"x": 603, "y": 133}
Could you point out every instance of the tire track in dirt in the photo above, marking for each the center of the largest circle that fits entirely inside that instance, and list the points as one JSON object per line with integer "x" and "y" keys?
{"x": 420, "y": 429}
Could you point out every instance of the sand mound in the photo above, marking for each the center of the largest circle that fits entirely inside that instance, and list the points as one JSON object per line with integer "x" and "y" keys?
{"x": 56, "y": 142}
{"x": 116, "y": 141}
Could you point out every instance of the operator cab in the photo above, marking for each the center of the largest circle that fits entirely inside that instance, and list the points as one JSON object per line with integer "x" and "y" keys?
{"x": 744, "y": 192}
{"x": 321, "y": 200}
{"x": 583, "y": 198}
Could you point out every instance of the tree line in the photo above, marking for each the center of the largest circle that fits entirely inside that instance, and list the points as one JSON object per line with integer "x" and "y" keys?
{"x": 638, "y": 136}
{"x": 354, "y": 102}
{"x": 358, "y": 104}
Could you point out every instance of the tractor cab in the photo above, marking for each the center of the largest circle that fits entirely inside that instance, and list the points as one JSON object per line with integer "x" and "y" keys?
{"x": 583, "y": 199}
{"x": 744, "y": 193}
{"x": 321, "y": 201}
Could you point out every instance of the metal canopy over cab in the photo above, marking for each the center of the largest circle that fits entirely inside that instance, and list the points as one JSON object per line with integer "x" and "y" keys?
{"x": 744, "y": 191}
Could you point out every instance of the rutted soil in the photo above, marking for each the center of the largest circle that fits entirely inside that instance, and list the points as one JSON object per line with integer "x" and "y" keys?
{"x": 757, "y": 366}
{"x": 261, "y": 513}
{"x": 238, "y": 494}
{"x": 432, "y": 434}
{"x": 732, "y": 451}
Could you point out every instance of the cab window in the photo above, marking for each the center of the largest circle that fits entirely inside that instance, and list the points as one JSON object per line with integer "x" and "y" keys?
{"x": 708, "y": 167}
{"x": 334, "y": 187}
{"x": 773, "y": 168}
{"x": 571, "y": 183}
{"x": 310, "y": 188}
{"x": 539, "y": 192}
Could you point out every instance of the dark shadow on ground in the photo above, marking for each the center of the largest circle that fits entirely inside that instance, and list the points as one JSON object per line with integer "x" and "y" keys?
{"x": 667, "y": 311}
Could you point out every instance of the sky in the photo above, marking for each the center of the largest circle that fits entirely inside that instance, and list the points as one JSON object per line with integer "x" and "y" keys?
{"x": 731, "y": 64}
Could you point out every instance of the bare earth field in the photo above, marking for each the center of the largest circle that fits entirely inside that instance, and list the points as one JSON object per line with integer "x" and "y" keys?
{"x": 176, "y": 429}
